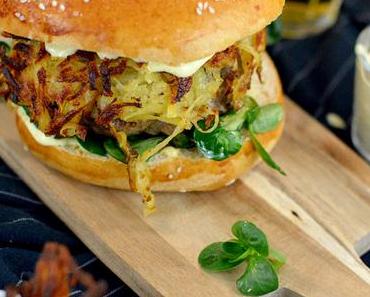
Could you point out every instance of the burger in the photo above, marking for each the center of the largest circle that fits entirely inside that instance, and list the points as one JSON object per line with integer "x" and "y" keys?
{"x": 143, "y": 95}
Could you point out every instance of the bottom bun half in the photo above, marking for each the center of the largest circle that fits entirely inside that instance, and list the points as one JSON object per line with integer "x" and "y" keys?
{"x": 172, "y": 169}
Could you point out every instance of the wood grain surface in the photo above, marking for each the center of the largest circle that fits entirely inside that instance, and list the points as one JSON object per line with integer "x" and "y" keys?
{"x": 315, "y": 216}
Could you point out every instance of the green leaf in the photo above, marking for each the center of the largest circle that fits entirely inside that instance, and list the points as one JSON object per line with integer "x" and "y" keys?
{"x": 5, "y": 46}
{"x": 182, "y": 140}
{"x": 277, "y": 259}
{"x": 233, "y": 248}
{"x": 259, "y": 279}
{"x": 249, "y": 252}
{"x": 214, "y": 258}
{"x": 26, "y": 110}
{"x": 251, "y": 116}
{"x": 263, "y": 153}
{"x": 226, "y": 140}
{"x": 93, "y": 145}
{"x": 113, "y": 149}
{"x": 137, "y": 137}
{"x": 143, "y": 145}
{"x": 218, "y": 145}
{"x": 235, "y": 120}
{"x": 267, "y": 118}
{"x": 251, "y": 236}
{"x": 274, "y": 32}
{"x": 251, "y": 246}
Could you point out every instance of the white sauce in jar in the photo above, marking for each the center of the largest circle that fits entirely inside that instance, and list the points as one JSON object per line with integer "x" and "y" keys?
{"x": 361, "y": 115}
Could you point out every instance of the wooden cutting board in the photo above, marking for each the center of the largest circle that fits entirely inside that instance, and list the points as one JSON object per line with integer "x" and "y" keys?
{"x": 315, "y": 215}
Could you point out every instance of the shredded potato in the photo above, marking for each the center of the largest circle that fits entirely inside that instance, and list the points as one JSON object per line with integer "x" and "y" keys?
{"x": 68, "y": 97}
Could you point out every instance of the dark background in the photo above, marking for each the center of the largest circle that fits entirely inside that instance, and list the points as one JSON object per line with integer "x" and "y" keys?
{"x": 316, "y": 72}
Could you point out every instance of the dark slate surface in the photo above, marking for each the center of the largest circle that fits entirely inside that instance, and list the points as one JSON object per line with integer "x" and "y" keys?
{"x": 26, "y": 224}
{"x": 317, "y": 73}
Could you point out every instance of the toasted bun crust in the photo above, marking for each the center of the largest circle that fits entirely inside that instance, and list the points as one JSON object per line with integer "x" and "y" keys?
{"x": 183, "y": 172}
{"x": 171, "y": 32}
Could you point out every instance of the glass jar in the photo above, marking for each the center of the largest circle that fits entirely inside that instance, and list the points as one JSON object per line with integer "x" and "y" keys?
{"x": 361, "y": 112}
{"x": 302, "y": 18}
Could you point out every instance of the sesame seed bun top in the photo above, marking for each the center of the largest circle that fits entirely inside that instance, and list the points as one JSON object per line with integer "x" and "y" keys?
{"x": 171, "y": 32}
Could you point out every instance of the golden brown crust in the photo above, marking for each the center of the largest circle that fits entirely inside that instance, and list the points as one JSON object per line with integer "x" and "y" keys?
{"x": 170, "y": 32}
{"x": 182, "y": 173}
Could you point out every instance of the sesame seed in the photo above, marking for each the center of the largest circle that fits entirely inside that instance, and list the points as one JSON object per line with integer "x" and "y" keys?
{"x": 54, "y": 3}
{"x": 170, "y": 176}
{"x": 23, "y": 1}
{"x": 42, "y": 6}
{"x": 204, "y": 7}
{"x": 86, "y": 1}
{"x": 230, "y": 182}
{"x": 62, "y": 7}
{"x": 20, "y": 16}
